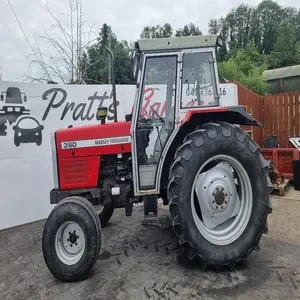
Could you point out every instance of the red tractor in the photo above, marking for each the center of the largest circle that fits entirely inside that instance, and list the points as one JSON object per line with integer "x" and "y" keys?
{"x": 194, "y": 156}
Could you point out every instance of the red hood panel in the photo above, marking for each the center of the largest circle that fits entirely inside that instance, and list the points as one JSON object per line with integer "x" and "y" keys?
{"x": 110, "y": 138}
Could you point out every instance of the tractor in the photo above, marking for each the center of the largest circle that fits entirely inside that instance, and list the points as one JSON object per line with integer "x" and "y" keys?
{"x": 194, "y": 156}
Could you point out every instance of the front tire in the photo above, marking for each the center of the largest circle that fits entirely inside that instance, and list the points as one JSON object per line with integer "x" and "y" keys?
{"x": 106, "y": 214}
{"x": 218, "y": 217}
{"x": 71, "y": 239}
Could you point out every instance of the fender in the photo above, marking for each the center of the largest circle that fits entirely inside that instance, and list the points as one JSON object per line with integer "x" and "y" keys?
{"x": 231, "y": 114}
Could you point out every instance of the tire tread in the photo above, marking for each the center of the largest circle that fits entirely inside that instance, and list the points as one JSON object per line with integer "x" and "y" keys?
{"x": 184, "y": 154}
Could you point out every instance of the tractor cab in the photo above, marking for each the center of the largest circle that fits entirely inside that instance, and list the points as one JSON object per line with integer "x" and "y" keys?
{"x": 174, "y": 76}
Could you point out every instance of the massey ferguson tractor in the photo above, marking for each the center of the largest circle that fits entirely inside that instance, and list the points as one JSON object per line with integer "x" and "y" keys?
{"x": 194, "y": 156}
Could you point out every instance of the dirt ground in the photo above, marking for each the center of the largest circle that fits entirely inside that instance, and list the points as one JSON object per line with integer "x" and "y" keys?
{"x": 139, "y": 262}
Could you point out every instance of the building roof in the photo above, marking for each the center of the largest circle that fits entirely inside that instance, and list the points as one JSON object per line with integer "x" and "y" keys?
{"x": 282, "y": 73}
{"x": 173, "y": 43}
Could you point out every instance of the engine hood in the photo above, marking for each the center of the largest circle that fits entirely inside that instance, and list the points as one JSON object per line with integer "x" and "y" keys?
{"x": 98, "y": 139}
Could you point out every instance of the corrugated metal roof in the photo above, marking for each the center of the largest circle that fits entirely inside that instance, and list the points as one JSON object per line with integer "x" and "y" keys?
{"x": 282, "y": 73}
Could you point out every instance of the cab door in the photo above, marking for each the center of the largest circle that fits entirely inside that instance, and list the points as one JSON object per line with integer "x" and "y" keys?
{"x": 154, "y": 119}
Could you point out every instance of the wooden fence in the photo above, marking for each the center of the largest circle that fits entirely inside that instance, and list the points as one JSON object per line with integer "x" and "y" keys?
{"x": 281, "y": 117}
{"x": 254, "y": 103}
{"x": 279, "y": 114}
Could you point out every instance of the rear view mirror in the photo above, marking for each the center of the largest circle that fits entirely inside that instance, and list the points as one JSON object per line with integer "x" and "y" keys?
{"x": 2, "y": 97}
{"x": 25, "y": 98}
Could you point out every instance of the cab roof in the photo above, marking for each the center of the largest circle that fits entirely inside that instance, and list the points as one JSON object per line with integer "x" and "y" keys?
{"x": 178, "y": 43}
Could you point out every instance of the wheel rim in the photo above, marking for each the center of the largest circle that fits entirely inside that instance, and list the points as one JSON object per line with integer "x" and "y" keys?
{"x": 70, "y": 243}
{"x": 221, "y": 204}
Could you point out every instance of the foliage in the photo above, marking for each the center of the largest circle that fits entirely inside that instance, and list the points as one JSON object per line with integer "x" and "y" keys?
{"x": 275, "y": 33}
{"x": 286, "y": 50}
{"x": 96, "y": 59}
{"x": 255, "y": 38}
{"x": 158, "y": 31}
{"x": 188, "y": 30}
{"x": 166, "y": 30}
{"x": 242, "y": 67}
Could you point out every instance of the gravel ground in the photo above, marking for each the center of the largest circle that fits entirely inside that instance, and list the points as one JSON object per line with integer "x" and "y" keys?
{"x": 139, "y": 262}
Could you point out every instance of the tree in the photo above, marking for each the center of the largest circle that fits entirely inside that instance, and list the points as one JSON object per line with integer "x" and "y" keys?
{"x": 166, "y": 30}
{"x": 242, "y": 67}
{"x": 286, "y": 51}
{"x": 269, "y": 16}
{"x": 220, "y": 28}
{"x": 64, "y": 42}
{"x": 96, "y": 63}
{"x": 259, "y": 23}
{"x": 213, "y": 26}
{"x": 188, "y": 30}
{"x": 157, "y": 31}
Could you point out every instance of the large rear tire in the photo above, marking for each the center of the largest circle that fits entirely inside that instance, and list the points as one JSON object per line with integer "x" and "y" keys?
{"x": 72, "y": 239}
{"x": 216, "y": 216}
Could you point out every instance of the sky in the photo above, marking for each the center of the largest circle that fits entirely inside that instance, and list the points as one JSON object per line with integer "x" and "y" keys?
{"x": 126, "y": 17}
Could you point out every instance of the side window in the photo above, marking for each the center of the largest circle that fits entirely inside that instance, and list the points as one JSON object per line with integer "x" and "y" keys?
{"x": 199, "y": 87}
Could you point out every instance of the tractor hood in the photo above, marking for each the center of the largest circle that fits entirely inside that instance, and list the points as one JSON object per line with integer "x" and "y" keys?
{"x": 99, "y": 139}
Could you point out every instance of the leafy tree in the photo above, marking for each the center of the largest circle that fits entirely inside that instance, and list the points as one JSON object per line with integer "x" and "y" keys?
{"x": 166, "y": 30}
{"x": 213, "y": 26}
{"x": 242, "y": 67}
{"x": 286, "y": 51}
{"x": 220, "y": 28}
{"x": 158, "y": 31}
{"x": 260, "y": 24}
{"x": 269, "y": 16}
{"x": 188, "y": 30}
{"x": 95, "y": 61}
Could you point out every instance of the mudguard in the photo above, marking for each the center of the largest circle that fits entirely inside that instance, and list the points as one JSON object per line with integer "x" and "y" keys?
{"x": 231, "y": 114}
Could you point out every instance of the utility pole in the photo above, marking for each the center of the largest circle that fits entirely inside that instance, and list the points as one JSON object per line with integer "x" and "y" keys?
{"x": 79, "y": 40}
{"x": 109, "y": 57}
{"x": 111, "y": 54}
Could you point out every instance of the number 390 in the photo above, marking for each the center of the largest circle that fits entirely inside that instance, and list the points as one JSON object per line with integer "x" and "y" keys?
{"x": 68, "y": 145}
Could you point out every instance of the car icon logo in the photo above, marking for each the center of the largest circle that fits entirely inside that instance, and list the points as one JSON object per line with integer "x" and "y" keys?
{"x": 28, "y": 130}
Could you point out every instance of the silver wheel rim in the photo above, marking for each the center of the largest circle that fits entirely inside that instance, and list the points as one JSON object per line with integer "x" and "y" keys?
{"x": 70, "y": 243}
{"x": 220, "y": 211}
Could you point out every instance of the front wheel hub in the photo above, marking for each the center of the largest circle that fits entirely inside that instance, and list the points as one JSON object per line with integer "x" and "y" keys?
{"x": 219, "y": 198}
{"x": 70, "y": 243}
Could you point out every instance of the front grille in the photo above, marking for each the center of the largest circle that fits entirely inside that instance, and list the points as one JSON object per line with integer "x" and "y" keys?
{"x": 75, "y": 172}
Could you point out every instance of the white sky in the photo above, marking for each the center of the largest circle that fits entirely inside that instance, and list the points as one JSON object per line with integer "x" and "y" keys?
{"x": 127, "y": 18}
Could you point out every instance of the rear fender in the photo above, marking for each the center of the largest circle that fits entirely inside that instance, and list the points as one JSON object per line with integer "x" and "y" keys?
{"x": 231, "y": 114}
{"x": 234, "y": 115}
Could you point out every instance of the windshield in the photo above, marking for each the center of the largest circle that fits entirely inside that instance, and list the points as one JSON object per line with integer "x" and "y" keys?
{"x": 159, "y": 88}
{"x": 27, "y": 123}
{"x": 199, "y": 81}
